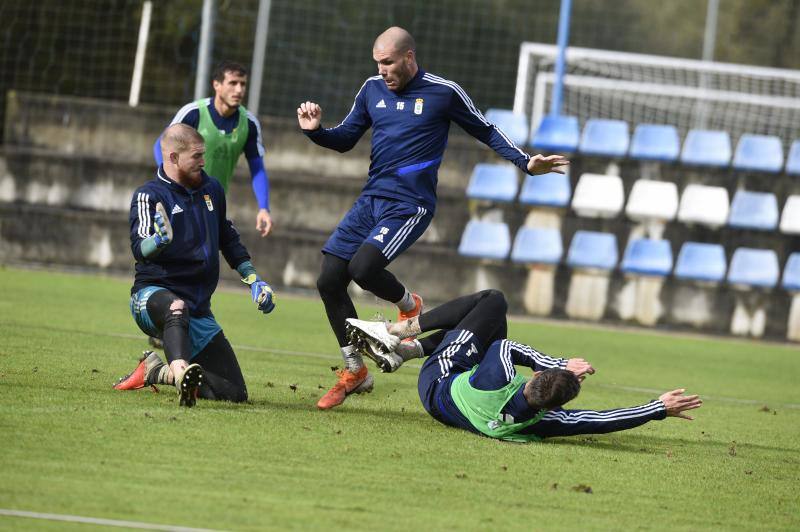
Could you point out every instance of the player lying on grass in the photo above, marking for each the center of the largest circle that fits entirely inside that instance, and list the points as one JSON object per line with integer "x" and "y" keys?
{"x": 177, "y": 270}
{"x": 469, "y": 380}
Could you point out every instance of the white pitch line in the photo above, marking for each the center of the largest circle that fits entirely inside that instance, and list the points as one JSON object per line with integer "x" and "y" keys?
{"x": 98, "y": 521}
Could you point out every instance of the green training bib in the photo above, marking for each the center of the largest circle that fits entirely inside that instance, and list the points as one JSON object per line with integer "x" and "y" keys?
{"x": 222, "y": 149}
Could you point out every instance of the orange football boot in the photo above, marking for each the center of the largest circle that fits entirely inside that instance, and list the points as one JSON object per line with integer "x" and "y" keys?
{"x": 359, "y": 382}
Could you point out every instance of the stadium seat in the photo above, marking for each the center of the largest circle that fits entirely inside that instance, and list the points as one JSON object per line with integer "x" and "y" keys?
{"x": 793, "y": 160}
{"x": 652, "y": 200}
{"x": 759, "y": 153}
{"x": 514, "y": 125}
{"x": 537, "y": 245}
{"x": 791, "y": 273}
{"x": 701, "y": 262}
{"x": 706, "y": 148}
{"x": 607, "y": 138}
{"x": 495, "y": 182}
{"x": 590, "y": 249}
{"x": 790, "y": 219}
{"x": 550, "y": 190}
{"x": 754, "y": 210}
{"x": 754, "y": 267}
{"x": 704, "y": 205}
{"x": 655, "y": 142}
{"x": 598, "y": 196}
{"x": 557, "y": 133}
{"x": 485, "y": 240}
{"x": 645, "y": 256}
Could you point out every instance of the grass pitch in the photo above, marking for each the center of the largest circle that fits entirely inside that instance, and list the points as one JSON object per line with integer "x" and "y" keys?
{"x": 70, "y": 444}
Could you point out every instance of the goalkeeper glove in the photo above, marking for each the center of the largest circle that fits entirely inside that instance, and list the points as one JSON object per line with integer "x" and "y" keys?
{"x": 162, "y": 227}
{"x": 261, "y": 292}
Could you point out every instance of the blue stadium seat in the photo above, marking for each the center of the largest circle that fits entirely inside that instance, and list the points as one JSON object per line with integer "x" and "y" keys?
{"x": 590, "y": 249}
{"x": 607, "y": 138}
{"x": 485, "y": 240}
{"x": 754, "y": 267}
{"x": 537, "y": 245}
{"x": 754, "y": 210}
{"x": 701, "y": 262}
{"x": 791, "y": 273}
{"x": 759, "y": 153}
{"x": 793, "y": 160}
{"x": 496, "y": 182}
{"x": 514, "y": 125}
{"x": 706, "y": 148}
{"x": 557, "y": 133}
{"x": 550, "y": 190}
{"x": 655, "y": 142}
{"x": 644, "y": 256}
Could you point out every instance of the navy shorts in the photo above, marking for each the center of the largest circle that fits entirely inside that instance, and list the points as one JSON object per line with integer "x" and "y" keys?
{"x": 388, "y": 224}
{"x": 455, "y": 354}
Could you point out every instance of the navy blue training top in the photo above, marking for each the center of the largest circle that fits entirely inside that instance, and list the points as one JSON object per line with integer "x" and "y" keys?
{"x": 189, "y": 265}
{"x": 496, "y": 370}
{"x": 409, "y": 134}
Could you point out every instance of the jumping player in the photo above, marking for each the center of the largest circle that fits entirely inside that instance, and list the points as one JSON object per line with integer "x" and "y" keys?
{"x": 410, "y": 112}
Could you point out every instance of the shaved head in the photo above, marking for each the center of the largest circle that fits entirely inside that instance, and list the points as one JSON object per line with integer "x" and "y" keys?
{"x": 178, "y": 138}
{"x": 395, "y": 53}
{"x": 397, "y": 39}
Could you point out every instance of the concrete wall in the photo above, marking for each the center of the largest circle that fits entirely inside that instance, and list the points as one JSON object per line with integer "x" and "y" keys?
{"x": 69, "y": 167}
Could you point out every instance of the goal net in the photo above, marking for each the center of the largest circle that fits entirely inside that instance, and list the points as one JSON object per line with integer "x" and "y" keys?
{"x": 642, "y": 88}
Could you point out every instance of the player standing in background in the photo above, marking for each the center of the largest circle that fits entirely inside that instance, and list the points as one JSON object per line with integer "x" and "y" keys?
{"x": 179, "y": 227}
{"x": 229, "y": 130}
{"x": 469, "y": 380}
{"x": 410, "y": 112}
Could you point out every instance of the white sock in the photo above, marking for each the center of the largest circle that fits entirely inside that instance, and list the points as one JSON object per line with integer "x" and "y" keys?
{"x": 352, "y": 360}
{"x": 409, "y": 350}
{"x": 407, "y": 303}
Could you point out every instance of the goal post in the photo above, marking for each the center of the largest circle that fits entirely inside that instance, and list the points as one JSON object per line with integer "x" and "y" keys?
{"x": 642, "y": 88}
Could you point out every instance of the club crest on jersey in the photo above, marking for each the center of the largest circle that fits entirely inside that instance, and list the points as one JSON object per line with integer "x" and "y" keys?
{"x": 418, "y": 106}
{"x": 379, "y": 236}
{"x": 381, "y": 105}
{"x": 208, "y": 202}
{"x": 401, "y": 106}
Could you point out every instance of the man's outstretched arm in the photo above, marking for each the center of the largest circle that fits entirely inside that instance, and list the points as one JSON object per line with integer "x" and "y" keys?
{"x": 573, "y": 422}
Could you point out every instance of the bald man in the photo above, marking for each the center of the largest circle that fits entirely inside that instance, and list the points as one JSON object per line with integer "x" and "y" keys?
{"x": 409, "y": 111}
{"x": 178, "y": 228}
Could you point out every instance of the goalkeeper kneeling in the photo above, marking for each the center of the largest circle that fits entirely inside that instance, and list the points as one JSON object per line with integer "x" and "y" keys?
{"x": 178, "y": 228}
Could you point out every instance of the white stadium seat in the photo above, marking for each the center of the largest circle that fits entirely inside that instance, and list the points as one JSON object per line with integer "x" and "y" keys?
{"x": 652, "y": 200}
{"x": 704, "y": 205}
{"x": 790, "y": 219}
{"x": 598, "y": 196}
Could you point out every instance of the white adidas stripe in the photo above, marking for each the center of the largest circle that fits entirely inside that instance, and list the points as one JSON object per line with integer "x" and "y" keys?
{"x": 186, "y": 109}
{"x": 259, "y": 141}
{"x": 356, "y": 99}
{"x": 471, "y": 106}
{"x": 444, "y": 357}
{"x": 143, "y": 207}
{"x": 505, "y": 357}
{"x": 572, "y": 418}
{"x": 402, "y": 234}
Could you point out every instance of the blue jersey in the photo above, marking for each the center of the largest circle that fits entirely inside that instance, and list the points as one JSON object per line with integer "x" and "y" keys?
{"x": 457, "y": 354}
{"x": 189, "y": 265}
{"x": 409, "y": 134}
